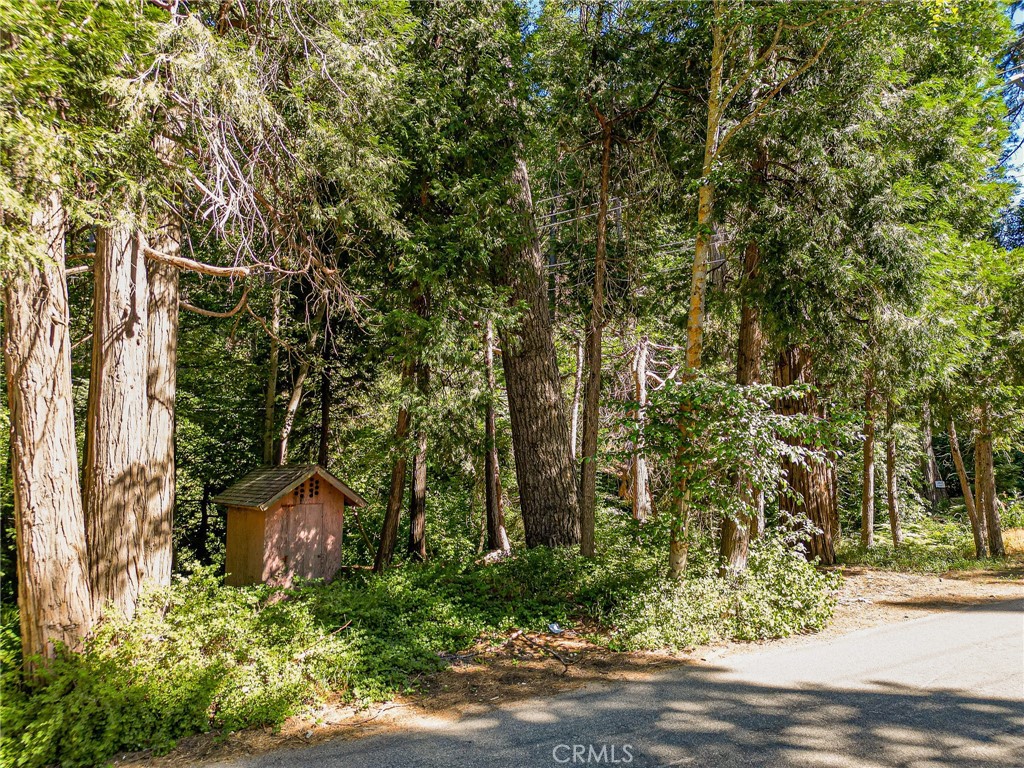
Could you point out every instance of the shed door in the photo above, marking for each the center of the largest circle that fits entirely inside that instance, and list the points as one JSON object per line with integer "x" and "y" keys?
{"x": 306, "y": 540}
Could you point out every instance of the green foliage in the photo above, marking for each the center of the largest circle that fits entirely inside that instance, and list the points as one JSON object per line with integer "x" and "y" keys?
{"x": 200, "y": 656}
{"x": 931, "y": 545}
{"x": 780, "y": 594}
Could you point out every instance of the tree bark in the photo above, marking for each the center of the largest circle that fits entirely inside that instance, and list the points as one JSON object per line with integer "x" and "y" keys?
{"x": 162, "y": 363}
{"x": 54, "y": 596}
{"x": 984, "y": 479}
{"x": 577, "y": 393}
{"x": 736, "y": 534}
{"x": 595, "y": 329}
{"x": 814, "y": 486}
{"x": 891, "y": 488}
{"x": 639, "y": 478}
{"x": 270, "y": 399}
{"x": 497, "y": 537}
{"x": 116, "y": 448}
{"x": 540, "y": 431}
{"x": 978, "y": 528}
{"x": 418, "y": 492}
{"x": 393, "y": 512}
{"x": 867, "y": 500}
{"x": 929, "y": 465}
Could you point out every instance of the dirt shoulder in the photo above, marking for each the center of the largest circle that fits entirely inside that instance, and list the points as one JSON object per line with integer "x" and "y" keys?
{"x": 530, "y": 665}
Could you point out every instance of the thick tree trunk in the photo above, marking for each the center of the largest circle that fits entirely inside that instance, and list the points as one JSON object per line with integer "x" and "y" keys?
{"x": 595, "y": 328}
{"x": 978, "y": 528}
{"x": 497, "y": 537}
{"x": 814, "y": 486}
{"x": 53, "y": 576}
{"x": 270, "y": 398}
{"x": 162, "y": 392}
{"x": 540, "y": 432}
{"x": 577, "y": 397}
{"x": 867, "y": 500}
{"x": 323, "y": 453}
{"x": 891, "y": 488}
{"x": 116, "y": 449}
{"x": 418, "y": 492}
{"x": 638, "y": 475}
{"x": 736, "y": 534}
{"x": 984, "y": 479}
{"x": 393, "y": 512}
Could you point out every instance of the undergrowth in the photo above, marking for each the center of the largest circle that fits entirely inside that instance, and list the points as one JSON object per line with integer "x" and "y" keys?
{"x": 930, "y": 545}
{"x": 200, "y": 656}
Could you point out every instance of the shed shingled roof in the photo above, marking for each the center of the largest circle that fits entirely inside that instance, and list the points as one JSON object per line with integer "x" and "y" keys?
{"x": 264, "y": 486}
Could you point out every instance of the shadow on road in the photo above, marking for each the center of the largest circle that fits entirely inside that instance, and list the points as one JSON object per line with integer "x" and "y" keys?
{"x": 704, "y": 719}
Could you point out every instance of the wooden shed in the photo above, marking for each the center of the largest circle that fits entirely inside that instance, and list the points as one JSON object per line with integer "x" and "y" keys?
{"x": 285, "y": 522}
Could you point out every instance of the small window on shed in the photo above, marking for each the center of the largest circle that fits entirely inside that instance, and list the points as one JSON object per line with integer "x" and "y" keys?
{"x": 315, "y": 487}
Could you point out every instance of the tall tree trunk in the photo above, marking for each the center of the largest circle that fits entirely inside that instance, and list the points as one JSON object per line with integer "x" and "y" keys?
{"x": 891, "y": 489}
{"x": 270, "y": 399}
{"x": 577, "y": 396}
{"x": 162, "y": 362}
{"x": 323, "y": 453}
{"x": 393, "y": 512}
{"x": 540, "y": 430}
{"x": 814, "y": 486}
{"x": 736, "y": 534}
{"x": 867, "y": 500}
{"x": 929, "y": 465}
{"x": 640, "y": 490}
{"x": 706, "y": 200}
{"x": 418, "y": 492}
{"x": 291, "y": 411}
{"x": 54, "y": 597}
{"x": 978, "y": 527}
{"x": 497, "y": 537}
{"x": 116, "y": 449}
{"x": 984, "y": 479}
{"x": 595, "y": 328}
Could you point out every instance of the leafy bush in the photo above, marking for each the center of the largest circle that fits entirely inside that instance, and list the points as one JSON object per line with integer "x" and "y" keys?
{"x": 780, "y": 594}
{"x": 200, "y": 656}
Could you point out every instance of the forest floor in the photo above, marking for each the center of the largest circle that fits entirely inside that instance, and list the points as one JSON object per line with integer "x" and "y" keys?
{"x": 537, "y": 665}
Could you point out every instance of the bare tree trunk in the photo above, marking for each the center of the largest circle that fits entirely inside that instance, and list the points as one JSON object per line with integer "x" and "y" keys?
{"x": 203, "y": 550}
{"x": 54, "y": 597}
{"x": 595, "y": 328}
{"x": 418, "y": 494}
{"x": 867, "y": 501}
{"x": 640, "y": 490}
{"x": 162, "y": 362}
{"x": 116, "y": 449}
{"x": 497, "y": 537}
{"x": 978, "y": 528}
{"x": 984, "y": 479}
{"x": 891, "y": 489}
{"x": 272, "y": 366}
{"x": 736, "y": 534}
{"x": 814, "y": 487}
{"x": 577, "y": 392}
{"x": 297, "y": 389}
{"x": 540, "y": 430}
{"x": 323, "y": 453}
{"x": 393, "y": 512}
{"x": 929, "y": 465}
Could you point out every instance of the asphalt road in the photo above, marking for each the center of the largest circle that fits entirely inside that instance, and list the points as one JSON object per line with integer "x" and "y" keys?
{"x": 942, "y": 691}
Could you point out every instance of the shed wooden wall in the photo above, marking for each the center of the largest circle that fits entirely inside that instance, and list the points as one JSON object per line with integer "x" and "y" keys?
{"x": 303, "y": 534}
{"x": 244, "y": 556}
